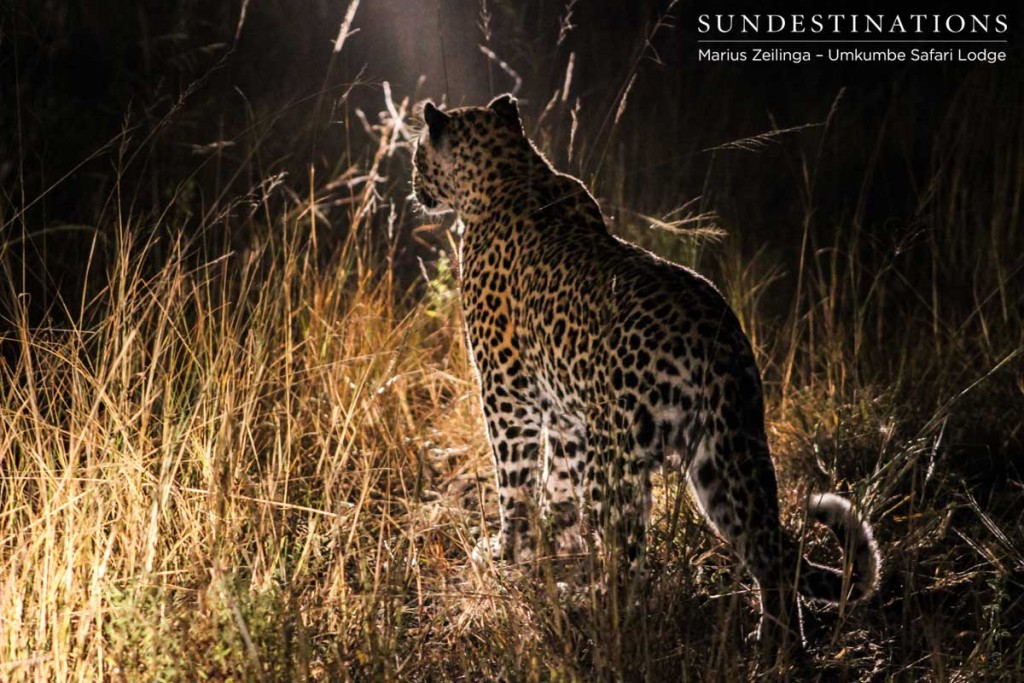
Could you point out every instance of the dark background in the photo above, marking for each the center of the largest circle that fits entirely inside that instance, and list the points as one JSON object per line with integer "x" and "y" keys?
{"x": 113, "y": 104}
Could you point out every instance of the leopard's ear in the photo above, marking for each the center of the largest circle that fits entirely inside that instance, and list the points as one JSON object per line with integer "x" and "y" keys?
{"x": 437, "y": 121}
{"x": 507, "y": 108}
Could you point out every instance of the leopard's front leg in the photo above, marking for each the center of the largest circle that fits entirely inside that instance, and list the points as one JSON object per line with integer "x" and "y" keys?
{"x": 563, "y": 492}
{"x": 618, "y": 485}
{"x": 514, "y": 432}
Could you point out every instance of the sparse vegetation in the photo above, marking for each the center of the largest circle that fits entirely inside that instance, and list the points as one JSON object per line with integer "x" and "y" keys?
{"x": 245, "y": 444}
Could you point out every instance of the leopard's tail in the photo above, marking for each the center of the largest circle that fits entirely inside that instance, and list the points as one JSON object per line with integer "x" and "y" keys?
{"x": 854, "y": 534}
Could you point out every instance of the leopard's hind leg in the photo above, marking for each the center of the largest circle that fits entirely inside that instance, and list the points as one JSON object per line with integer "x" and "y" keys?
{"x": 733, "y": 480}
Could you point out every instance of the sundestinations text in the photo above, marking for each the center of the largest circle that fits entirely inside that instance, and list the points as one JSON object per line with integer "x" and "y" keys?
{"x": 853, "y": 24}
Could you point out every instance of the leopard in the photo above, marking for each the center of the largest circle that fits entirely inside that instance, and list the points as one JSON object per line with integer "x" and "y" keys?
{"x": 599, "y": 362}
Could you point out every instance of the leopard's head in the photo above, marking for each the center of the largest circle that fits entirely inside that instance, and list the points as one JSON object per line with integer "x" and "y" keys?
{"x": 458, "y": 152}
